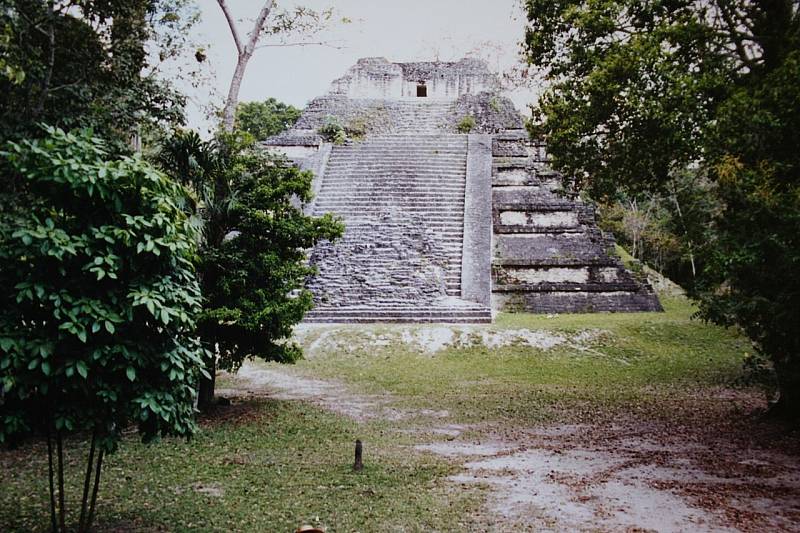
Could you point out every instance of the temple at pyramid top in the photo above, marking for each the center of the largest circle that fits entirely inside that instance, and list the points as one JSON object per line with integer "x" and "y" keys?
{"x": 376, "y": 77}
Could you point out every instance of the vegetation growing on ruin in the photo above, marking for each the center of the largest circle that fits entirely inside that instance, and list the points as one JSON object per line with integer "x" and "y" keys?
{"x": 466, "y": 124}
{"x": 332, "y": 131}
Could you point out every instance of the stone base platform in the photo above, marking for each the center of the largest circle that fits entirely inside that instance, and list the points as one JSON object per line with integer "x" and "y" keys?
{"x": 445, "y": 311}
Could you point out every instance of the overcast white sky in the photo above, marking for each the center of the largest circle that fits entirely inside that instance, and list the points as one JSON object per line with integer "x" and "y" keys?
{"x": 400, "y": 30}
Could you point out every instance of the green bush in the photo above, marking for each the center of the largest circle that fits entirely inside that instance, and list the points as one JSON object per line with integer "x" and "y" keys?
{"x": 466, "y": 124}
{"x": 98, "y": 298}
{"x": 332, "y": 131}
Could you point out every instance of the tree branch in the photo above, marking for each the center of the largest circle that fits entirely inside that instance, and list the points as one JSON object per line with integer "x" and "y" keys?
{"x": 255, "y": 35}
{"x": 736, "y": 36}
{"x": 307, "y": 43}
{"x": 228, "y": 113}
{"x": 231, "y": 25}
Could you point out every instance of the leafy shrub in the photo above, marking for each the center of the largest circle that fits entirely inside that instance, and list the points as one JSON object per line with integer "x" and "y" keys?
{"x": 332, "y": 131}
{"x": 98, "y": 298}
{"x": 466, "y": 124}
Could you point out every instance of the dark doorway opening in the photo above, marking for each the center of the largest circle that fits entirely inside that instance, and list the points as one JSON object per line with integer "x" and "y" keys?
{"x": 422, "y": 90}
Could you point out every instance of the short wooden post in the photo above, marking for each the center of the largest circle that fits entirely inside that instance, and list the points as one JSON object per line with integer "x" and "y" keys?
{"x": 358, "y": 465}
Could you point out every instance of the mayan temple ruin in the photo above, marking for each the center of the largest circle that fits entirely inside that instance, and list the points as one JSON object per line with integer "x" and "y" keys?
{"x": 450, "y": 210}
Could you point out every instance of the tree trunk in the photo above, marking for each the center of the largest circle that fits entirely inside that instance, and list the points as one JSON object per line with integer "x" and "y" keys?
{"x": 62, "y": 521}
{"x": 87, "y": 478}
{"x": 205, "y": 396}
{"x": 51, "y": 473}
{"x": 97, "y": 471}
{"x": 232, "y": 101}
{"x": 788, "y": 402}
{"x": 245, "y": 52}
{"x": 51, "y": 61}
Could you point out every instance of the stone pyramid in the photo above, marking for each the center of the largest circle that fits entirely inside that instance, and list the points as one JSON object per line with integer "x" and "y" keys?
{"x": 450, "y": 210}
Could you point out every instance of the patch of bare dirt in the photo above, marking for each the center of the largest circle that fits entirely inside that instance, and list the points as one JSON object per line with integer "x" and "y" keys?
{"x": 330, "y": 395}
{"x": 686, "y": 461}
{"x": 707, "y": 468}
{"x": 432, "y": 339}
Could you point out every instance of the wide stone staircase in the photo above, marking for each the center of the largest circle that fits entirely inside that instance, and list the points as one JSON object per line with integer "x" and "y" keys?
{"x": 401, "y": 198}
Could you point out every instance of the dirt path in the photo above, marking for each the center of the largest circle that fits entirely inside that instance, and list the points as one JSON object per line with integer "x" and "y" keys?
{"x": 613, "y": 475}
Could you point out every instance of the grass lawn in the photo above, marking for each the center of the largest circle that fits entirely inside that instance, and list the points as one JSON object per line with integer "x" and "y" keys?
{"x": 268, "y": 465}
{"x": 627, "y": 361}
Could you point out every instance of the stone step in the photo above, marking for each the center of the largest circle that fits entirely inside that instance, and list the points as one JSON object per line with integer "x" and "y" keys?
{"x": 453, "y": 199}
{"x": 616, "y": 286}
{"x": 399, "y": 319}
{"x": 374, "y": 209}
{"x": 379, "y": 314}
{"x": 405, "y": 167}
{"x": 383, "y": 310}
{"x": 422, "y": 193}
{"x": 397, "y": 149}
{"x": 391, "y": 146}
{"x": 408, "y": 165}
{"x": 441, "y": 231}
{"x": 450, "y": 150}
{"x": 394, "y": 150}
{"x": 428, "y": 222}
{"x": 431, "y": 185}
{"x": 376, "y": 196}
{"x": 411, "y": 205}
{"x": 503, "y": 229}
{"x": 358, "y": 195}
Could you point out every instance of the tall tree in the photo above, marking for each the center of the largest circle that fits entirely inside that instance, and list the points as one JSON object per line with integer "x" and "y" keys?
{"x": 644, "y": 91}
{"x": 90, "y": 64}
{"x": 265, "y": 119}
{"x": 252, "y": 259}
{"x": 98, "y": 300}
{"x": 283, "y": 24}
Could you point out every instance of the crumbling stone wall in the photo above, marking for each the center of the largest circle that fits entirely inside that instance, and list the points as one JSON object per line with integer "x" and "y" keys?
{"x": 491, "y": 112}
{"x": 377, "y": 78}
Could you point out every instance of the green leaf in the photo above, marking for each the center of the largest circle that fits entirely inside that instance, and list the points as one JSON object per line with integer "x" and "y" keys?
{"x": 131, "y": 373}
{"x": 110, "y": 327}
{"x": 46, "y": 368}
{"x": 82, "y": 369}
{"x": 164, "y": 315}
